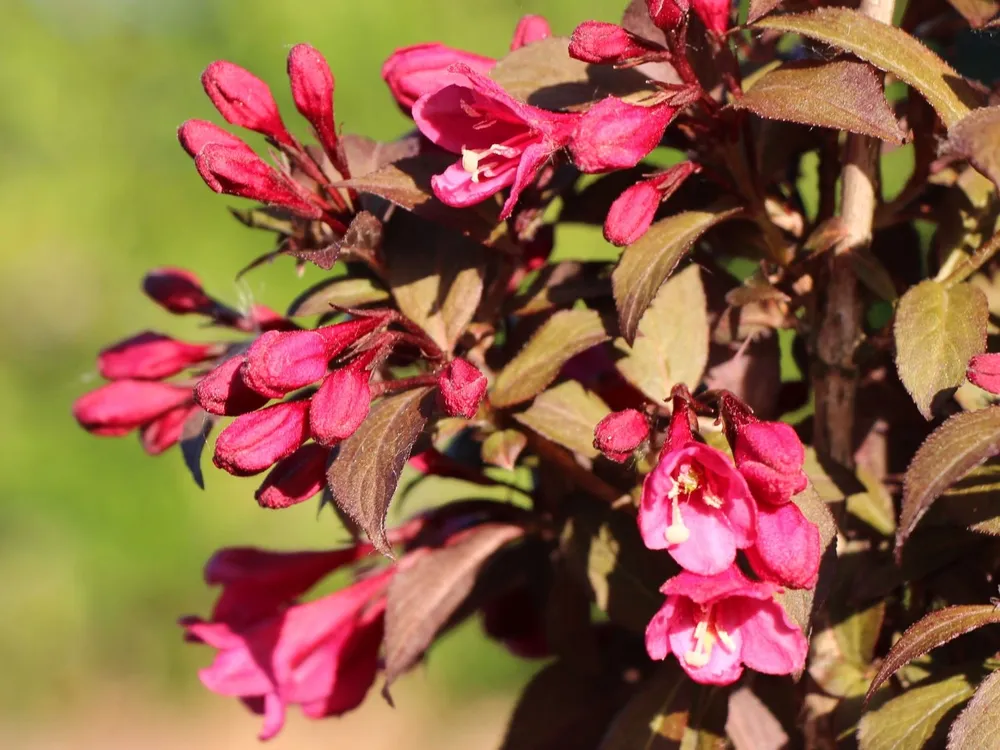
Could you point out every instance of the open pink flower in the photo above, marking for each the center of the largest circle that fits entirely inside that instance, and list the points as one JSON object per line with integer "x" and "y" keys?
{"x": 716, "y": 625}
{"x": 322, "y": 655}
{"x": 412, "y": 72}
{"x": 696, "y": 505}
{"x": 503, "y": 142}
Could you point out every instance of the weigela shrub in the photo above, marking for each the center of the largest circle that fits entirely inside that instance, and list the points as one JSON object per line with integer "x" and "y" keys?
{"x": 759, "y": 439}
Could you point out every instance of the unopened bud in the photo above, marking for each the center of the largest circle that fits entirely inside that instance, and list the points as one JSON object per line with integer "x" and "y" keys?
{"x": 280, "y": 362}
{"x": 530, "y": 29}
{"x": 631, "y": 214}
{"x": 149, "y": 356}
{"x": 295, "y": 479}
{"x": 223, "y": 391}
{"x": 600, "y": 42}
{"x": 422, "y": 69}
{"x": 165, "y": 430}
{"x": 194, "y": 135}
{"x": 340, "y": 405}
{"x": 244, "y": 100}
{"x": 122, "y": 406}
{"x": 255, "y": 441}
{"x": 177, "y": 290}
{"x": 620, "y": 433}
{"x": 462, "y": 387}
{"x": 668, "y": 14}
{"x": 614, "y": 134}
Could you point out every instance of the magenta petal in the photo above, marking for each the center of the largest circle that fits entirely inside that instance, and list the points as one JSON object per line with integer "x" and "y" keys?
{"x": 532, "y": 159}
{"x": 705, "y": 590}
{"x": 455, "y": 187}
{"x": 274, "y": 717}
{"x": 235, "y": 672}
{"x": 787, "y": 550}
{"x": 657, "y": 645}
{"x": 711, "y": 548}
{"x": 741, "y": 512}
{"x": 723, "y": 666}
{"x": 772, "y": 643}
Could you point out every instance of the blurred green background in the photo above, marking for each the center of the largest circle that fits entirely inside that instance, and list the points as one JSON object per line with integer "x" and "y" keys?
{"x": 101, "y": 547}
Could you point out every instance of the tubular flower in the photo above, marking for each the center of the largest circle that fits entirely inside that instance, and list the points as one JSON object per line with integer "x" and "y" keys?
{"x": 503, "y": 142}
{"x": 620, "y": 433}
{"x": 716, "y": 625}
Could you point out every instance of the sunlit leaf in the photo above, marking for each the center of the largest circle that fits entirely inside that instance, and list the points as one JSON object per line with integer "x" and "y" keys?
{"x": 976, "y": 137}
{"x": 349, "y": 291}
{"x": 566, "y": 414}
{"x": 843, "y": 94}
{"x": 979, "y": 723}
{"x": 913, "y": 719}
{"x": 503, "y": 447}
{"x": 938, "y": 329}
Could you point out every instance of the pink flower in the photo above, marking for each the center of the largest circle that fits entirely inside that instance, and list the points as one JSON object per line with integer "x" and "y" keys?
{"x": 312, "y": 90}
{"x": 178, "y": 291}
{"x": 222, "y": 391}
{"x": 462, "y": 387}
{"x": 165, "y": 431}
{"x": 341, "y": 404}
{"x": 149, "y": 356}
{"x": 257, "y": 583}
{"x": 255, "y": 441}
{"x": 530, "y": 29}
{"x": 984, "y": 371}
{"x": 280, "y": 362}
{"x": 620, "y": 433}
{"x": 322, "y": 655}
{"x": 614, "y": 134}
{"x": 244, "y": 100}
{"x": 412, "y": 72}
{"x": 668, "y": 15}
{"x": 124, "y": 405}
{"x": 632, "y": 212}
{"x": 713, "y": 13}
{"x": 715, "y": 625}
{"x": 599, "y": 42}
{"x": 787, "y": 548}
{"x": 194, "y": 135}
{"x": 237, "y": 171}
{"x": 503, "y": 142}
{"x": 295, "y": 479}
{"x": 695, "y": 504}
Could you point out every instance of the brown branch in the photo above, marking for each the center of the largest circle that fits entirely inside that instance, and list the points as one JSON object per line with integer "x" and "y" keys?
{"x": 835, "y": 377}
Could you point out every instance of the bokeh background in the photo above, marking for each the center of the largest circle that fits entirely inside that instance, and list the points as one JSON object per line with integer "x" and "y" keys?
{"x": 101, "y": 547}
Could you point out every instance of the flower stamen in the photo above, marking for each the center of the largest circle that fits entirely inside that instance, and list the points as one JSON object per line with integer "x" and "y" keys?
{"x": 706, "y": 634}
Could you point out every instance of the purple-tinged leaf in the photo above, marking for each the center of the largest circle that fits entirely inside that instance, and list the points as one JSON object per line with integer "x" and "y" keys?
{"x": 887, "y": 48}
{"x": 503, "y": 447}
{"x": 566, "y": 414}
{"x": 657, "y": 715}
{"x": 976, "y": 137}
{"x": 346, "y": 291}
{"x": 844, "y": 94}
{"x": 760, "y": 8}
{"x": 751, "y": 725}
{"x": 561, "y": 337}
{"x": 647, "y": 263}
{"x": 954, "y": 449}
{"x": 366, "y": 469}
{"x": 425, "y": 594}
{"x": 194, "y": 435}
{"x": 931, "y": 631}
{"x": 938, "y": 330}
{"x": 979, "y": 723}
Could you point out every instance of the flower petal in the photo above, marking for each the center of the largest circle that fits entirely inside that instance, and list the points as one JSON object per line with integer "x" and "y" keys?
{"x": 772, "y": 643}
{"x": 711, "y": 548}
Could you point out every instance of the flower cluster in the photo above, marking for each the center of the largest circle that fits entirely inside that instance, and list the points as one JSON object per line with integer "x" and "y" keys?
{"x": 702, "y": 509}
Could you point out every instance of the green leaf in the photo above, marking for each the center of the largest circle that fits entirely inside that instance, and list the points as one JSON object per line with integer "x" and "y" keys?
{"x": 887, "y": 48}
{"x": 647, "y": 263}
{"x": 976, "y": 12}
{"x": 343, "y": 292}
{"x": 932, "y": 631}
{"x": 503, "y": 447}
{"x": 843, "y": 94}
{"x": 976, "y": 137}
{"x": 974, "y": 501}
{"x": 605, "y": 552}
{"x": 561, "y": 337}
{"x": 914, "y": 719}
{"x": 363, "y": 476}
{"x": 543, "y": 74}
{"x": 424, "y": 595}
{"x": 959, "y": 445}
{"x": 937, "y": 331}
{"x": 567, "y": 415}
{"x": 978, "y": 725}
{"x": 672, "y": 342}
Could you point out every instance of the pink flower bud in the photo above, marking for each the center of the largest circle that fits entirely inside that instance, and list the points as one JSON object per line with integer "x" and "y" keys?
{"x": 462, "y": 387}
{"x": 668, "y": 14}
{"x": 235, "y": 171}
{"x": 530, "y": 29}
{"x": 714, "y": 14}
{"x": 770, "y": 457}
{"x": 263, "y": 318}
{"x": 620, "y": 433}
{"x": 120, "y": 407}
{"x": 282, "y": 361}
{"x": 165, "y": 430}
{"x": 340, "y": 405}
{"x": 194, "y": 135}
{"x": 984, "y": 371}
{"x": 295, "y": 479}
{"x": 255, "y": 441}
{"x": 787, "y": 549}
{"x": 222, "y": 391}
{"x": 342, "y": 335}
{"x": 631, "y": 214}
{"x": 599, "y": 42}
{"x": 244, "y": 100}
{"x": 178, "y": 291}
{"x": 312, "y": 90}
{"x": 149, "y": 356}
{"x": 614, "y": 134}
{"x": 422, "y": 69}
